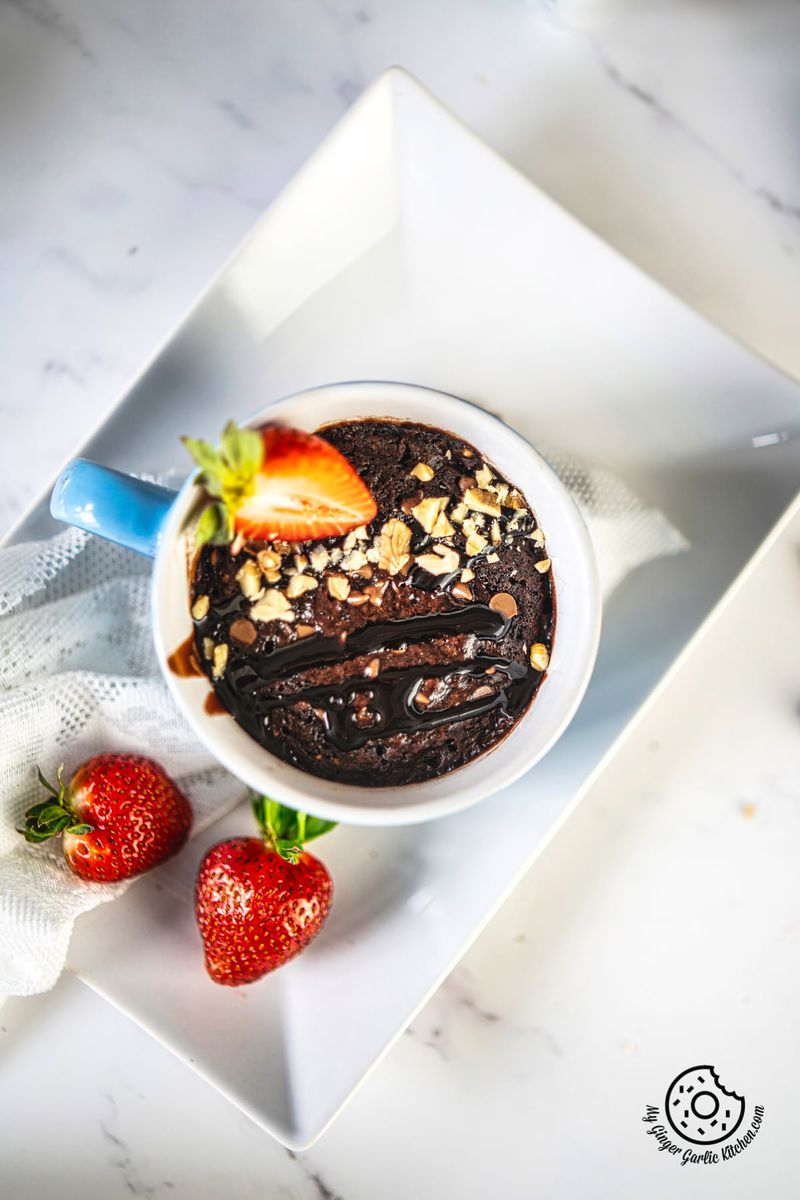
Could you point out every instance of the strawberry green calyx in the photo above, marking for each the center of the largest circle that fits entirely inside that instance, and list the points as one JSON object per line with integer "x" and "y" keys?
{"x": 286, "y": 830}
{"x": 54, "y": 815}
{"x": 228, "y": 477}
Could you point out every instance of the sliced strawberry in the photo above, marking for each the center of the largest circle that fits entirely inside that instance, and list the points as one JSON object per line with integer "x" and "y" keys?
{"x": 305, "y": 489}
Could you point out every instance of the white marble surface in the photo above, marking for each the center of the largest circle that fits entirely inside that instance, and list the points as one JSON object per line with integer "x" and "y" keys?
{"x": 139, "y": 144}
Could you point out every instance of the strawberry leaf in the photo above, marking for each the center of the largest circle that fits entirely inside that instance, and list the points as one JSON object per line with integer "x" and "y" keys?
{"x": 209, "y": 460}
{"x": 79, "y": 829}
{"x": 315, "y": 827}
{"x": 228, "y": 477}
{"x": 242, "y": 450}
{"x": 210, "y": 525}
{"x": 52, "y": 816}
{"x": 285, "y": 829}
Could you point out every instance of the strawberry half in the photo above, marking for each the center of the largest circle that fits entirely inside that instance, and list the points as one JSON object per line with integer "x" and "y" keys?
{"x": 278, "y": 484}
{"x": 305, "y": 489}
{"x": 120, "y": 815}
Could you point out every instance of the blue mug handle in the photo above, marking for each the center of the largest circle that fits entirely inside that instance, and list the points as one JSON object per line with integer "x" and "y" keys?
{"x": 100, "y": 500}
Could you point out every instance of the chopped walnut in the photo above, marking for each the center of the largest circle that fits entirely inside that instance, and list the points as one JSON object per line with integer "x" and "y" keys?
{"x": 298, "y": 585}
{"x": 459, "y": 513}
{"x": 219, "y": 660}
{"x": 443, "y": 561}
{"x": 248, "y": 578}
{"x": 422, "y": 472}
{"x": 483, "y": 476}
{"x": 514, "y": 499}
{"x": 431, "y": 516}
{"x": 273, "y": 606}
{"x": 394, "y": 546}
{"x": 208, "y": 649}
{"x": 354, "y": 560}
{"x": 475, "y": 543}
{"x": 200, "y": 608}
{"x": 338, "y": 587}
{"x": 467, "y": 574}
{"x": 495, "y": 533}
{"x": 540, "y": 659}
{"x": 479, "y": 500}
{"x": 542, "y": 566}
{"x": 319, "y": 558}
{"x": 269, "y": 560}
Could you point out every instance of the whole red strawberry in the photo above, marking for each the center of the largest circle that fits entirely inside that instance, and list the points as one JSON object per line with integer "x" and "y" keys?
{"x": 260, "y": 900}
{"x": 120, "y": 815}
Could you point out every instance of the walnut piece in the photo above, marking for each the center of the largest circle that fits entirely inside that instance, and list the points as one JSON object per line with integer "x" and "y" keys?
{"x": 443, "y": 561}
{"x": 338, "y": 587}
{"x": 479, "y": 500}
{"x": 319, "y": 558}
{"x": 268, "y": 560}
{"x": 394, "y": 547}
{"x": 219, "y": 660}
{"x": 273, "y": 606}
{"x": 432, "y": 517}
{"x": 475, "y": 543}
{"x": 200, "y": 608}
{"x": 354, "y": 560}
{"x": 299, "y": 584}
{"x": 423, "y": 472}
{"x": 540, "y": 659}
{"x": 248, "y": 578}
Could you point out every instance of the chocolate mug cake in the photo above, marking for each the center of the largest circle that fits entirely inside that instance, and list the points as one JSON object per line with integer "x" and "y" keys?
{"x": 394, "y": 652}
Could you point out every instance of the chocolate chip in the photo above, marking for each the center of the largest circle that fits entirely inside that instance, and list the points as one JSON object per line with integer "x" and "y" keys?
{"x": 411, "y": 502}
{"x": 243, "y": 631}
{"x": 505, "y": 604}
{"x": 460, "y": 591}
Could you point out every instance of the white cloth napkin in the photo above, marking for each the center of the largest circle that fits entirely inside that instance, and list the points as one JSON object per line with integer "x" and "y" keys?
{"x": 78, "y": 675}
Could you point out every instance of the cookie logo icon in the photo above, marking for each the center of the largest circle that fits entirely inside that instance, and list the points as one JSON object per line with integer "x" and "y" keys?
{"x": 700, "y": 1109}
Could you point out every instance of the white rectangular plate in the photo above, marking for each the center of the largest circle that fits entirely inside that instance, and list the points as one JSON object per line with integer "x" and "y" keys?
{"x": 407, "y": 250}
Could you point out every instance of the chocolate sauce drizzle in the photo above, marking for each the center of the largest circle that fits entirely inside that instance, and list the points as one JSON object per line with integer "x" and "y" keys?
{"x": 389, "y": 698}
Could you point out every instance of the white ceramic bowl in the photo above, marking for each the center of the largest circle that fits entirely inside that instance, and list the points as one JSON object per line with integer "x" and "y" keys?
{"x": 574, "y": 649}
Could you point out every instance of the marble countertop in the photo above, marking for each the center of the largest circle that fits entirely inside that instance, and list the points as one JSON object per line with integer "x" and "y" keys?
{"x": 140, "y": 144}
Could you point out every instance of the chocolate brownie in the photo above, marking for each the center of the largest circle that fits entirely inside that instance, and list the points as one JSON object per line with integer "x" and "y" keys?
{"x": 402, "y": 650}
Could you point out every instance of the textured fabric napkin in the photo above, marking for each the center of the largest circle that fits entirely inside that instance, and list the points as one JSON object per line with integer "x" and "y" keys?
{"x": 78, "y": 675}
